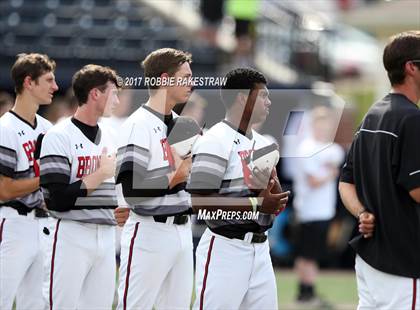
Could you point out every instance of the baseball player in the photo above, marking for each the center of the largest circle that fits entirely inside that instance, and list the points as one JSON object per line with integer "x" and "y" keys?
{"x": 156, "y": 266}
{"x": 233, "y": 265}
{"x": 77, "y": 178}
{"x": 380, "y": 185}
{"x": 22, "y": 217}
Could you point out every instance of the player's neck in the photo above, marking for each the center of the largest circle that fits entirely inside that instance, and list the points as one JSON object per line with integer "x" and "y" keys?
{"x": 26, "y": 107}
{"x": 87, "y": 115}
{"x": 238, "y": 120}
{"x": 160, "y": 103}
{"x": 407, "y": 90}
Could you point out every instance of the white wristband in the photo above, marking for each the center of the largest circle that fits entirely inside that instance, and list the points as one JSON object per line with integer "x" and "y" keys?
{"x": 254, "y": 203}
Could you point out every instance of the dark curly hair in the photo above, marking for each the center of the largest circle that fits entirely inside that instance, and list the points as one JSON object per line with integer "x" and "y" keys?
{"x": 240, "y": 80}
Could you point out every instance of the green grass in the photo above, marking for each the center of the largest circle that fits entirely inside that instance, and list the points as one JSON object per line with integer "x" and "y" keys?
{"x": 337, "y": 287}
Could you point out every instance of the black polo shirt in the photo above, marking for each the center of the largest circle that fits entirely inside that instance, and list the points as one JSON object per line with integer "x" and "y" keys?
{"x": 384, "y": 164}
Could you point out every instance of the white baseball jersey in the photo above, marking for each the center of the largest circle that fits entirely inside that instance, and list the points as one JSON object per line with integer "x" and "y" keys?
{"x": 144, "y": 134}
{"x": 67, "y": 155}
{"x": 219, "y": 163}
{"x": 17, "y": 146}
{"x": 145, "y": 242}
{"x": 21, "y": 236}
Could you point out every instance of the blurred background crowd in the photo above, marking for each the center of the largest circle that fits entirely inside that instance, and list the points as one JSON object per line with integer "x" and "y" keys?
{"x": 322, "y": 59}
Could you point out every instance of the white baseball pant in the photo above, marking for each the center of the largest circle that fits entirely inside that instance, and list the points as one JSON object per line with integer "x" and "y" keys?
{"x": 21, "y": 259}
{"x": 80, "y": 266}
{"x": 378, "y": 290}
{"x": 233, "y": 274}
{"x": 156, "y": 268}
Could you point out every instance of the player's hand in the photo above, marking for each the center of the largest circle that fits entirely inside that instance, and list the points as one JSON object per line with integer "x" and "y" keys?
{"x": 366, "y": 224}
{"x": 182, "y": 169}
{"x": 273, "y": 203}
{"x": 277, "y": 189}
{"x": 121, "y": 215}
{"x": 107, "y": 164}
{"x": 259, "y": 179}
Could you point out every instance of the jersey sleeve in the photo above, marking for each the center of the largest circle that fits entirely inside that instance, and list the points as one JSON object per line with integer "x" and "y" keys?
{"x": 133, "y": 153}
{"x": 55, "y": 159}
{"x": 409, "y": 154}
{"x": 8, "y": 153}
{"x": 210, "y": 160}
{"x": 346, "y": 174}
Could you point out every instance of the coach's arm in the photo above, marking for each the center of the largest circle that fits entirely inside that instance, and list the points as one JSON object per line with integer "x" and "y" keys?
{"x": 415, "y": 194}
{"x": 352, "y": 203}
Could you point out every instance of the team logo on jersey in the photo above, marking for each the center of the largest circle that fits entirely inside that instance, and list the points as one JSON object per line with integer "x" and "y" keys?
{"x": 167, "y": 154}
{"x": 87, "y": 165}
{"x": 245, "y": 156}
{"x": 29, "y": 149}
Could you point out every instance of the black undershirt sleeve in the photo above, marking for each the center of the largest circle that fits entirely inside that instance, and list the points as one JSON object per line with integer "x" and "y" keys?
{"x": 135, "y": 185}
{"x": 62, "y": 197}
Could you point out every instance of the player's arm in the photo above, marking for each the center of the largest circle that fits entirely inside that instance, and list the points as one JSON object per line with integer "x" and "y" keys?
{"x": 206, "y": 180}
{"x": 11, "y": 189}
{"x": 138, "y": 183}
{"x": 105, "y": 171}
{"x": 268, "y": 202}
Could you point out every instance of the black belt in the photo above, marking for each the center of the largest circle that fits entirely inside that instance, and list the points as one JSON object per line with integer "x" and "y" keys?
{"x": 40, "y": 213}
{"x": 256, "y": 237}
{"x": 24, "y": 210}
{"x": 178, "y": 219}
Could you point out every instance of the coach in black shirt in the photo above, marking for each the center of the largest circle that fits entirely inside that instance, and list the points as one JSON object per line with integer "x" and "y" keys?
{"x": 380, "y": 184}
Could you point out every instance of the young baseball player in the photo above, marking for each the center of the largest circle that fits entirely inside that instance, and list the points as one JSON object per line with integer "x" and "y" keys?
{"x": 77, "y": 178}
{"x": 156, "y": 268}
{"x": 22, "y": 217}
{"x": 233, "y": 265}
{"x": 380, "y": 185}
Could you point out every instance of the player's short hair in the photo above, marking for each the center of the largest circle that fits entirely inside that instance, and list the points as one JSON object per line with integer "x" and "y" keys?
{"x": 164, "y": 60}
{"x": 239, "y": 80}
{"x": 89, "y": 77}
{"x": 401, "y": 48}
{"x": 33, "y": 65}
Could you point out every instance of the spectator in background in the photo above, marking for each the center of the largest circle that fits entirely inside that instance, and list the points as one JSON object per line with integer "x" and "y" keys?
{"x": 6, "y": 102}
{"x": 315, "y": 201}
{"x": 245, "y": 13}
{"x": 212, "y": 12}
{"x": 58, "y": 110}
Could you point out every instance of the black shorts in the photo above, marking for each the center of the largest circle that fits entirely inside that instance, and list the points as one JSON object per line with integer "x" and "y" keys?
{"x": 312, "y": 239}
